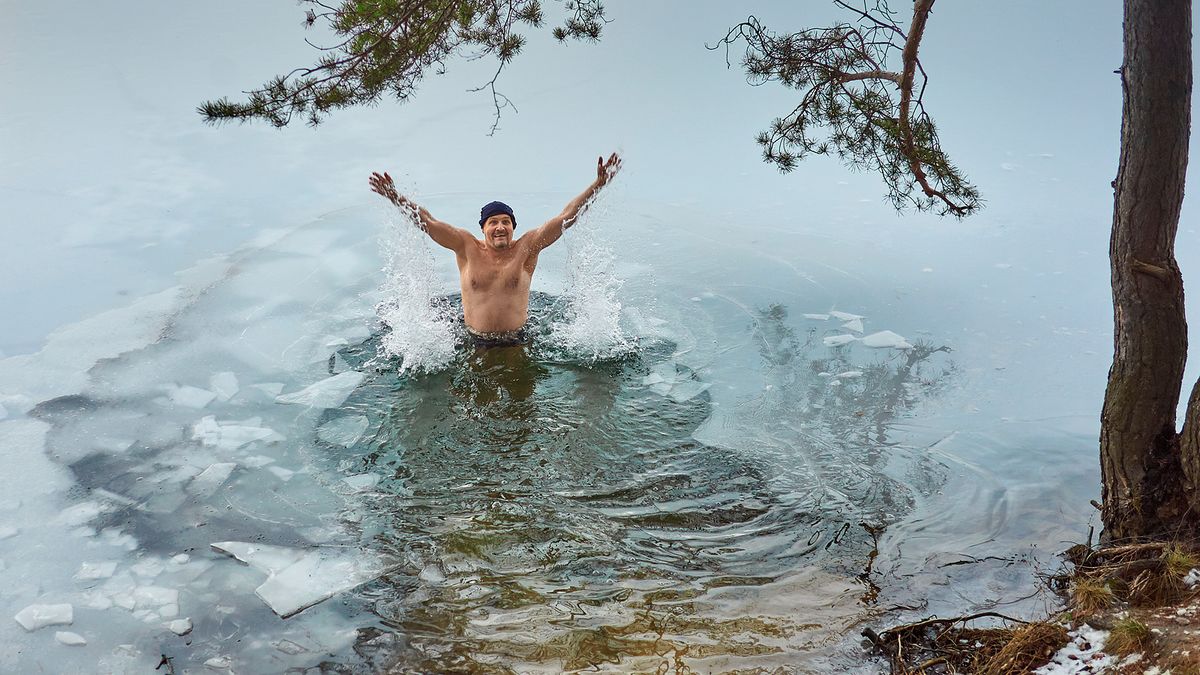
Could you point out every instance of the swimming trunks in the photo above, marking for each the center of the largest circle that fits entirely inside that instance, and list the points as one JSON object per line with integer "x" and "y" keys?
{"x": 505, "y": 338}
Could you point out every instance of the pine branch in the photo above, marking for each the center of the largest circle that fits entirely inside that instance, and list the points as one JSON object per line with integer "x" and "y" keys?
{"x": 853, "y": 106}
{"x": 387, "y": 46}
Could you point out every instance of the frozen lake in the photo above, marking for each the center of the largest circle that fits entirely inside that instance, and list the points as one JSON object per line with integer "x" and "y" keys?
{"x": 760, "y": 412}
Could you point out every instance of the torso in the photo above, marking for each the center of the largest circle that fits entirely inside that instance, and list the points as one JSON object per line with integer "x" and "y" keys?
{"x": 495, "y": 286}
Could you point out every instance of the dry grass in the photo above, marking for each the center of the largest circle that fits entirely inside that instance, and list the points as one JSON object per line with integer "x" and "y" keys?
{"x": 1090, "y": 595}
{"x": 1128, "y": 636}
{"x": 1030, "y": 646}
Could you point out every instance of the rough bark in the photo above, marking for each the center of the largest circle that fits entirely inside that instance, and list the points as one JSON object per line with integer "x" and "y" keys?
{"x": 1143, "y": 484}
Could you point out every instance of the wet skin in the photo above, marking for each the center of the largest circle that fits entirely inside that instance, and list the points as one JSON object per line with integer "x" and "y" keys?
{"x": 495, "y": 272}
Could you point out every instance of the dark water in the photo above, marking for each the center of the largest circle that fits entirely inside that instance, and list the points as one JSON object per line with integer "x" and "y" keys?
{"x": 562, "y": 514}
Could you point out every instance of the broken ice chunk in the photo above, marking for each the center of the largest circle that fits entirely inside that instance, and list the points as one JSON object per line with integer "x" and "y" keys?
{"x": 70, "y": 639}
{"x": 281, "y": 473}
{"x": 147, "y": 567}
{"x": 34, "y": 617}
{"x": 362, "y": 481}
{"x": 231, "y": 435}
{"x": 191, "y": 397}
{"x": 181, "y": 559}
{"x": 817, "y": 317}
{"x": 169, "y": 611}
{"x": 257, "y": 461}
{"x": 224, "y": 385}
{"x": 849, "y": 374}
{"x": 269, "y": 388}
{"x": 219, "y": 663}
{"x": 686, "y": 390}
{"x": 180, "y": 626}
{"x": 211, "y": 479}
{"x": 328, "y": 393}
{"x": 885, "y": 339}
{"x": 289, "y": 647}
{"x": 80, "y": 513}
{"x": 7, "y": 532}
{"x": 344, "y": 431}
{"x": 319, "y": 576}
{"x": 262, "y": 557}
{"x": 855, "y": 325}
{"x": 92, "y": 571}
{"x": 298, "y": 579}
{"x": 844, "y": 316}
{"x": 155, "y": 596}
{"x": 838, "y": 340}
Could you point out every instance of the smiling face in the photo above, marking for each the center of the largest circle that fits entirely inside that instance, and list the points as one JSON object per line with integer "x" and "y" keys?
{"x": 498, "y": 231}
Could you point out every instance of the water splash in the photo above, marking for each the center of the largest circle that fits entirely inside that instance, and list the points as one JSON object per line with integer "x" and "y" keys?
{"x": 590, "y": 326}
{"x": 421, "y": 323}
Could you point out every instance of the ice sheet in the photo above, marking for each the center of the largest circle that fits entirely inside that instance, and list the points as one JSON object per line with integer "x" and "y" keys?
{"x": 34, "y": 617}
{"x": 70, "y": 639}
{"x": 298, "y": 579}
{"x": 885, "y": 339}
{"x": 344, "y": 431}
{"x": 328, "y": 393}
{"x": 210, "y": 480}
{"x": 838, "y": 340}
{"x": 224, "y": 385}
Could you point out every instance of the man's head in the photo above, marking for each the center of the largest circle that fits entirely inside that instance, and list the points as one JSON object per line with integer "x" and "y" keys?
{"x": 497, "y": 221}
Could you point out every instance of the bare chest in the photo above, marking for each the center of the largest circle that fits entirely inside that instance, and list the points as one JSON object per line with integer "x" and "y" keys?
{"x": 483, "y": 275}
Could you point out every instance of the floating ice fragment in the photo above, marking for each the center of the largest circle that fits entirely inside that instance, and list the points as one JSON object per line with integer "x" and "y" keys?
{"x": 189, "y": 396}
{"x": 289, "y": 647}
{"x": 262, "y": 557}
{"x": 344, "y": 431}
{"x": 269, "y": 388}
{"x": 155, "y": 596}
{"x": 70, "y": 639}
{"x": 849, "y": 374}
{"x": 97, "y": 600}
{"x": 257, "y": 461}
{"x": 1003, "y": 266}
{"x": 885, "y": 339}
{"x": 180, "y": 626}
{"x": 311, "y": 577}
{"x": 845, "y": 316}
{"x": 328, "y": 393}
{"x": 80, "y": 513}
{"x": 817, "y": 317}
{"x": 92, "y": 571}
{"x": 231, "y": 435}
{"x": 211, "y": 479}
{"x": 7, "y": 532}
{"x": 34, "y": 617}
{"x": 362, "y": 481}
{"x": 224, "y": 385}
{"x": 926, "y": 269}
{"x": 838, "y": 340}
{"x": 147, "y": 567}
{"x": 281, "y": 473}
{"x": 169, "y": 611}
{"x": 219, "y": 663}
{"x": 855, "y": 325}
{"x": 686, "y": 390}
{"x": 181, "y": 559}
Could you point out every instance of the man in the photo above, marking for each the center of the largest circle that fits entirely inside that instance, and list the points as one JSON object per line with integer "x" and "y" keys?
{"x": 495, "y": 272}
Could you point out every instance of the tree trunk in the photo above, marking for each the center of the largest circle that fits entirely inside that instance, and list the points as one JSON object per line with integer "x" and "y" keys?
{"x": 1144, "y": 490}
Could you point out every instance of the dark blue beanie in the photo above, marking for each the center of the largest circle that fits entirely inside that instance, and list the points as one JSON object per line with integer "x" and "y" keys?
{"x": 495, "y": 208}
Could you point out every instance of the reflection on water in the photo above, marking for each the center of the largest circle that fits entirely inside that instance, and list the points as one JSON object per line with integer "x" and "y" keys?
{"x": 557, "y": 514}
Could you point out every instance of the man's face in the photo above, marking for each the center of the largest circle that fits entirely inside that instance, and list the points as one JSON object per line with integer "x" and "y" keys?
{"x": 498, "y": 231}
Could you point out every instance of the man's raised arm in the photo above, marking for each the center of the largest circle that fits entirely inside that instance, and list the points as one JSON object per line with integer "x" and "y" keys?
{"x": 549, "y": 232}
{"x": 444, "y": 234}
